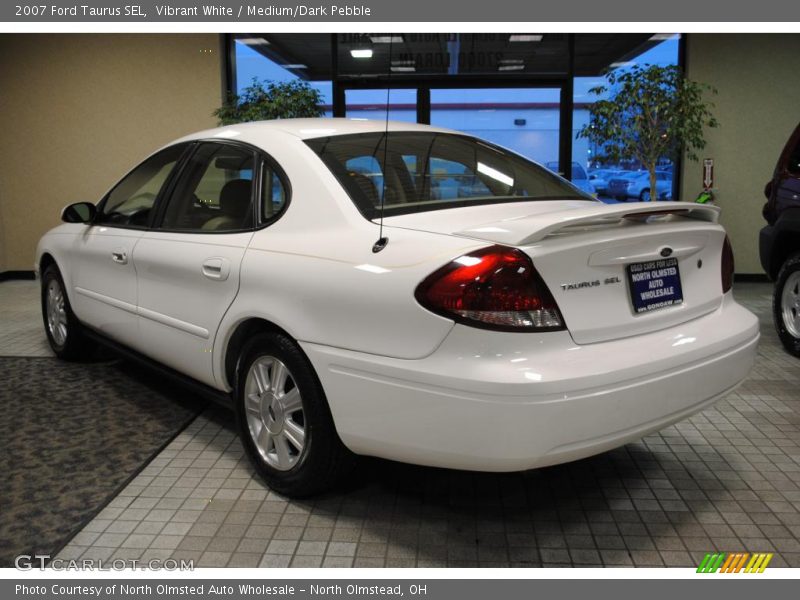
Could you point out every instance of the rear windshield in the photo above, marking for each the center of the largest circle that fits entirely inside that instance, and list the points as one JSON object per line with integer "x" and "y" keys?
{"x": 421, "y": 171}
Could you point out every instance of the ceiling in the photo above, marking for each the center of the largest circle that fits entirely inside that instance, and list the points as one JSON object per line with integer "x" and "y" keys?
{"x": 435, "y": 55}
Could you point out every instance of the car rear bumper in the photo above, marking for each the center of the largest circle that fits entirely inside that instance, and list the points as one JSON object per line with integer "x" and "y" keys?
{"x": 510, "y": 401}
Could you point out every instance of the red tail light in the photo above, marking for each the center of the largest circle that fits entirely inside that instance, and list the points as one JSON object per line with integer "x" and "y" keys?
{"x": 493, "y": 288}
{"x": 727, "y": 266}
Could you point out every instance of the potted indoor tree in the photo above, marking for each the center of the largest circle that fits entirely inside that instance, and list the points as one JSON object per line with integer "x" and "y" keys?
{"x": 264, "y": 100}
{"x": 650, "y": 113}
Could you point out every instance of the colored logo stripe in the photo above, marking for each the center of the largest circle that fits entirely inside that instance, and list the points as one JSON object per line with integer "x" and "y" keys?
{"x": 758, "y": 563}
{"x": 741, "y": 562}
{"x": 711, "y": 562}
{"x": 728, "y": 562}
{"x": 734, "y": 562}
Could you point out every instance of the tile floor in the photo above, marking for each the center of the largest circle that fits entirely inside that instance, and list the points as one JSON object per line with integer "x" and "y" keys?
{"x": 21, "y": 330}
{"x": 727, "y": 479}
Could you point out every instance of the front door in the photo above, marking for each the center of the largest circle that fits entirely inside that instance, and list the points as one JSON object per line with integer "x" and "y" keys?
{"x": 104, "y": 282}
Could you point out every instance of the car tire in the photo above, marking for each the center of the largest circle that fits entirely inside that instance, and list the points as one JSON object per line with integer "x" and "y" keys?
{"x": 65, "y": 333}
{"x": 786, "y": 304}
{"x": 644, "y": 195}
{"x": 284, "y": 420}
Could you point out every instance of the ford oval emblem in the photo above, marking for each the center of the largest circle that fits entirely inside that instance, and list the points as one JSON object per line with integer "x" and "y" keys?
{"x": 667, "y": 251}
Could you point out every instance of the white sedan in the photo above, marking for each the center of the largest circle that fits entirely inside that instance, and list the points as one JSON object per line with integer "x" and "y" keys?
{"x": 499, "y": 320}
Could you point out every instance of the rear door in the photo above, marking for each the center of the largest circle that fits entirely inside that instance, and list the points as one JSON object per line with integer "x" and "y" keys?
{"x": 104, "y": 278}
{"x": 188, "y": 265}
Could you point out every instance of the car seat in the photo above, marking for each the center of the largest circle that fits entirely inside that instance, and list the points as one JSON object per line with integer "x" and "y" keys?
{"x": 234, "y": 206}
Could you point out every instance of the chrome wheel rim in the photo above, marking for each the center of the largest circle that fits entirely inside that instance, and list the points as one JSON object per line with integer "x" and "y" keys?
{"x": 646, "y": 196}
{"x": 56, "y": 313}
{"x": 275, "y": 415}
{"x": 790, "y": 304}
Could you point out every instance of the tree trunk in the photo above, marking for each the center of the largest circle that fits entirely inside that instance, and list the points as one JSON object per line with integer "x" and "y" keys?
{"x": 653, "y": 189}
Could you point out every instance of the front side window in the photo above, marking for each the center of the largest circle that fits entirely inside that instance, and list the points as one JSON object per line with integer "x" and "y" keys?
{"x": 215, "y": 191}
{"x": 421, "y": 171}
{"x": 130, "y": 203}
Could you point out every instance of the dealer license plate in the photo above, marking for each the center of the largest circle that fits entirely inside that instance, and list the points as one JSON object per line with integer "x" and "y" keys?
{"x": 655, "y": 284}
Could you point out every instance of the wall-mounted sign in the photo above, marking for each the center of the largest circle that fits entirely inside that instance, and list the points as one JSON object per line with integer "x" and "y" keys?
{"x": 708, "y": 173}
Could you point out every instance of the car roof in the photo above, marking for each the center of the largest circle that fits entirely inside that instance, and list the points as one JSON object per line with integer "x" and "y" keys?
{"x": 305, "y": 129}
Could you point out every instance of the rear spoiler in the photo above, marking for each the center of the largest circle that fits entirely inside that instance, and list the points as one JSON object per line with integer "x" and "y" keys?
{"x": 595, "y": 216}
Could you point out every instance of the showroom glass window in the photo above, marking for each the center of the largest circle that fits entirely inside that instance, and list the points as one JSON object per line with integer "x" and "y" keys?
{"x": 657, "y": 49}
{"x": 401, "y": 104}
{"x": 525, "y": 120}
{"x": 256, "y": 58}
{"x": 130, "y": 203}
{"x": 215, "y": 191}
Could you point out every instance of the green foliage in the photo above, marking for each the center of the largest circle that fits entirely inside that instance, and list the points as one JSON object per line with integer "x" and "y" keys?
{"x": 652, "y": 113}
{"x": 263, "y": 100}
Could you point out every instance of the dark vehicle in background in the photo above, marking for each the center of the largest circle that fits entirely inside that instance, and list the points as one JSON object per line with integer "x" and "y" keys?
{"x": 779, "y": 243}
{"x": 618, "y": 185}
{"x": 599, "y": 179}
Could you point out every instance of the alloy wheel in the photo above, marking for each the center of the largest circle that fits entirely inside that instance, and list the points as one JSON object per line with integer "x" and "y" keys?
{"x": 790, "y": 304}
{"x": 274, "y": 410}
{"x": 56, "y": 313}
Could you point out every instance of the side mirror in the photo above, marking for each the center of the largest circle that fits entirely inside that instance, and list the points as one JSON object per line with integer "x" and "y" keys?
{"x": 80, "y": 212}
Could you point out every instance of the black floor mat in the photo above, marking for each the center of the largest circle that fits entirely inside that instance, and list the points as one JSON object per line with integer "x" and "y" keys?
{"x": 70, "y": 436}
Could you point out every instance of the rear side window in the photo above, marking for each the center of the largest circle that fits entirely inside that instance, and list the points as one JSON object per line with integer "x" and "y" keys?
{"x": 274, "y": 194}
{"x": 215, "y": 191}
{"x": 130, "y": 203}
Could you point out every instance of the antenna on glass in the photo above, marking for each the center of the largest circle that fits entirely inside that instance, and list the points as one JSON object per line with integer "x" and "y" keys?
{"x": 383, "y": 241}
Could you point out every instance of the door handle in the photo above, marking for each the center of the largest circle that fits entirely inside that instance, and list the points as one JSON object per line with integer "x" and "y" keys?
{"x": 119, "y": 256}
{"x": 217, "y": 269}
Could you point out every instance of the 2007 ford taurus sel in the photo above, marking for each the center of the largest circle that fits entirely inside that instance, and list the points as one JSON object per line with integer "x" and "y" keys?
{"x": 499, "y": 320}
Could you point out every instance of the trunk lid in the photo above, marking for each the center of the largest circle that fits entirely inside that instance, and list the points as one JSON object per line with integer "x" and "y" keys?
{"x": 612, "y": 269}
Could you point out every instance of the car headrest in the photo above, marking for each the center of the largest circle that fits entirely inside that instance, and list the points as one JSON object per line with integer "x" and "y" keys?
{"x": 234, "y": 198}
{"x": 367, "y": 187}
